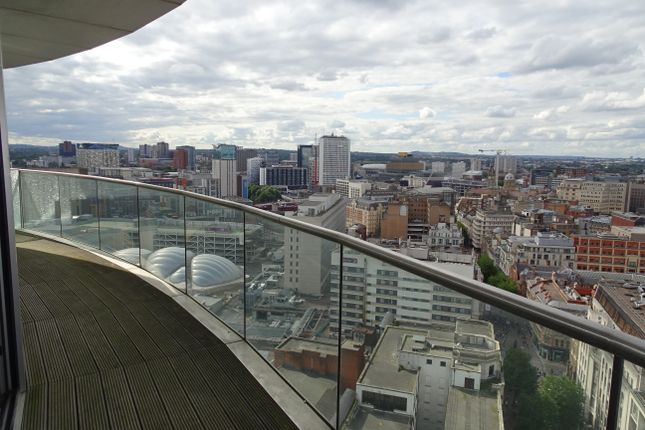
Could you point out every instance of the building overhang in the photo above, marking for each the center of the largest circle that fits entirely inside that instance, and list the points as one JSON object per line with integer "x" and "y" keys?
{"x": 35, "y": 31}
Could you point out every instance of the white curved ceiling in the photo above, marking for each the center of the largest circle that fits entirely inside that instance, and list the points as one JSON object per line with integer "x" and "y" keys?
{"x": 34, "y": 31}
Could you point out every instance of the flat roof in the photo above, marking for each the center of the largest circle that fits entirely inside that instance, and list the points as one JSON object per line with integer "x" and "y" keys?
{"x": 34, "y": 31}
{"x": 297, "y": 344}
{"x": 366, "y": 418}
{"x": 471, "y": 410}
{"x": 383, "y": 368}
{"x": 477, "y": 327}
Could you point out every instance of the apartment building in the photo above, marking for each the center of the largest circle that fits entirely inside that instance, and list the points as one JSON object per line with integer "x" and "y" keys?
{"x": 545, "y": 249}
{"x": 91, "y": 156}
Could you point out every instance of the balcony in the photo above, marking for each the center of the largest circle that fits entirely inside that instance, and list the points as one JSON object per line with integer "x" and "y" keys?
{"x": 327, "y": 365}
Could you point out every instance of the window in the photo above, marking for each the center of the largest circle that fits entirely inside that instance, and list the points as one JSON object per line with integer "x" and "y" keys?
{"x": 442, "y": 364}
{"x": 429, "y": 361}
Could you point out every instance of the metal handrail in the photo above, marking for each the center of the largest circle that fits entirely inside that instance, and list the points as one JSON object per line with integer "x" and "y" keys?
{"x": 616, "y": 342}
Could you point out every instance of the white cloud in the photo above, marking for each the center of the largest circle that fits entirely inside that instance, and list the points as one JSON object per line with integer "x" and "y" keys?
{"x": 426, "y": 113}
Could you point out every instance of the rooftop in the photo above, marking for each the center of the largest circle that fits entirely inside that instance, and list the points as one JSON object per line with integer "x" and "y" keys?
{"x": 383, "y": 368}
{"x": 471, "y": 410}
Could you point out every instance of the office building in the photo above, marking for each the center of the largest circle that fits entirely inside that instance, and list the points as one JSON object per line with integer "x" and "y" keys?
{"x": 288, "y": 176}
{"x": 253, "y": 166}
{"x": 487, "y": 223}
{"x": 438, "y": 167}
{"x": 602, "y": 197}
{"x": 612, "y": 306}
{"x": 190, "y": 156}
{"x": 307, "y": 258}
{"x": 458, "y": 169}
{"x": 224, "y": 170}
{"x": 307, "y": 157}
{"x": 333, "y": 159}
{"x": 622, "y": 250}
{"x": 162, "y": 150}
{"x": 506, "y": 164}
{"x": 180, "y": 159}
{"x": 91, "y": 156}
{"x": 352, "y": 188}
{"x": 67, "y": 149}
{"x": 366, "y": 212}
{"x": 636, "y": 196}
{"x": 242, "y": 155}
{"x": 374, "y": 288}
{"x": 435, "y": 370}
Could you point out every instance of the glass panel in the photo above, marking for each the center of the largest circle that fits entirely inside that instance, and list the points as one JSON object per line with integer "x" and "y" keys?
{"x": 40, "y": 206}
{"x": 119, "y": 218}
{"x": 288, "y": 308}
{"x": 631, "y": 407}
{"x": 79, "y": 212}
{"x": 415, "y": 353}
{"x": 216, "y": 276}
{"x": 15, "y": 190}
{"x": 161, "y": 235}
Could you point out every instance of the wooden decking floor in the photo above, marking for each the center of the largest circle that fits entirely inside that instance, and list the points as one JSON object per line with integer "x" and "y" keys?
{"x": 104, "y": 349}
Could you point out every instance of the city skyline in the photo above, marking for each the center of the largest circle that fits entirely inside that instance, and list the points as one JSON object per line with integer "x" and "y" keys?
{"x": 561, "y": 79}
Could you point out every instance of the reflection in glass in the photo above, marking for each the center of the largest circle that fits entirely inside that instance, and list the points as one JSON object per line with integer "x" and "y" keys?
{"x": 79, "y": 220}
{"x": 215, "y": 236}
{"x": 161, "y": 235}
{"x": 119, "y": 218}
{"x": 288, "y": 308}
{"x": 40, "y": 205}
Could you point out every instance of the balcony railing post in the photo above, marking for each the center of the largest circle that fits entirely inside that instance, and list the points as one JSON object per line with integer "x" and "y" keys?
{"x": 60, "y": 209}
{"x": 136, "y": 187}
{"x": 187, "y": 275}
{"x": 98, "y": 214}
{"x": 614, "y": 392}
{"x": 244, "y": 275}
{"x": 340, "y": 334}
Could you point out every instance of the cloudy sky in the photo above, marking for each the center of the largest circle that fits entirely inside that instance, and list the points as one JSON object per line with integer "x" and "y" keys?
{"x": 533, "y": 77}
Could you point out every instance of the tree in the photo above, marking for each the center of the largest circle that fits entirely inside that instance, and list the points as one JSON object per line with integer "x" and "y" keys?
{"x": 263, "y": 193}
{"x": 561, "y": 399}
{"x": 520, "y": 376}
{"x": 500, "y": 280}
{"x": 487, "y": 266}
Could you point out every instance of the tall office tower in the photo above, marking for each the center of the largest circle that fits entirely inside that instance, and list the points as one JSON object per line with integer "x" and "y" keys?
{"x": 146, "y": 151}
{"x": 180, "y": 159}
{"x": 132, "y": 156}
{"x": 242, "y": 155}
{"x": 190, "y": 156}
{"x": 307, "y": 157}
{"x": 66, "y": 149}
{"x": 458, "y": 169}
{"x": 507, "y": 164}
{"x": 438, "y": 167}
{"x": 333, "y": 159}
{"x": 253, "y": 166}
{"x": 475, "y": 164}
{"x": 635, "y": 201}
{"x": 224, "y": 170}
{"x": 163, "y": 150}
{"x": 91, "y": 156}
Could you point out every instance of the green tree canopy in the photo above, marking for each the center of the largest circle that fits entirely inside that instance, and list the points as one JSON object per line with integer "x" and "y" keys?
{"x": 263, "y": 193}
{"x": 487, "y": 266}
{"x": 562, "y": 403}
{"x": 519, "y": 374}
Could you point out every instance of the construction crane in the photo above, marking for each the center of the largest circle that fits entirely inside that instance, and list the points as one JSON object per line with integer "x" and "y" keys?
{"x": 498, "y": 152}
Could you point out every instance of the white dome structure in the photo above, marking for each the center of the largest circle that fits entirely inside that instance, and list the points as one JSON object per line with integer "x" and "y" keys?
{"x": 166, "y": 261}
{"x": 208, "y": 270}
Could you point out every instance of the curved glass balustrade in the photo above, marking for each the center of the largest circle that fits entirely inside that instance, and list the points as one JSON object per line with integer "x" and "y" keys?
{"x": 369, "y": 338}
